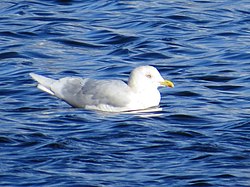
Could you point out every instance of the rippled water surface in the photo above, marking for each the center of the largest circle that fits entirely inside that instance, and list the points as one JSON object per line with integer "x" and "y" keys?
{"x": 200, "y": 138}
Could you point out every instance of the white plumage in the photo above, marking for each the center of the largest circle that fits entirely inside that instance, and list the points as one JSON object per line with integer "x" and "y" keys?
{"x": 108, "y": 95}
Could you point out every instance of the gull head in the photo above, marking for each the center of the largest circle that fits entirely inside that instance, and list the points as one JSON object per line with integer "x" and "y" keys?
{"x": 147, "y": 77}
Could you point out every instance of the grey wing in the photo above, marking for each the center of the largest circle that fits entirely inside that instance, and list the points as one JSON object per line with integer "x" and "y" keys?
{"x": 86, "y": 92}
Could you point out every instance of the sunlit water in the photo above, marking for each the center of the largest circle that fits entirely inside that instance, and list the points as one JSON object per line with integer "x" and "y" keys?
{"x": 199, "y": 137}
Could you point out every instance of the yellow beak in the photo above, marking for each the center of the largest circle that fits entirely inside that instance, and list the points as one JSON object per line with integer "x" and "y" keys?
{"x": 167, "y": 83}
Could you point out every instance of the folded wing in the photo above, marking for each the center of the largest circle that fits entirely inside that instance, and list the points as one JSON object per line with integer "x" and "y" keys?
{"x": 86, "y": 93}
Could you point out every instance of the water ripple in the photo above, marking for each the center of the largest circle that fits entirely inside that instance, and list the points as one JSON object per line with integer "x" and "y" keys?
{"x": 201, "y": 126}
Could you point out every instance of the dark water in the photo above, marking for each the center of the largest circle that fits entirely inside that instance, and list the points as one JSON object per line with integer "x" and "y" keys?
{"x": 202, "y": 136}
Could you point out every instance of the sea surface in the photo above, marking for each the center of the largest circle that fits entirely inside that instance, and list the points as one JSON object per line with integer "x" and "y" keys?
{"x": 200, "y": 138}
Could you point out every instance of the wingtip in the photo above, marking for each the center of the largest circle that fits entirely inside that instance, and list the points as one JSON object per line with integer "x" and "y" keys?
{"x": 32, "y": 75}
{"x": 44, "y": 83}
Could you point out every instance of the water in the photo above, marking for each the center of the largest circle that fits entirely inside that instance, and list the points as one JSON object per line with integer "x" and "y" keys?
{"x": 201, "y": 136}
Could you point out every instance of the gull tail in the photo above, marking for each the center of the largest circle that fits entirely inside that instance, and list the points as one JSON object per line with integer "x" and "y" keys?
{"x": 44, "y": 83}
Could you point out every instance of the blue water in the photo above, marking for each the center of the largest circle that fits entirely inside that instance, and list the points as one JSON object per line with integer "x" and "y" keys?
{"x": 200, "y": 138}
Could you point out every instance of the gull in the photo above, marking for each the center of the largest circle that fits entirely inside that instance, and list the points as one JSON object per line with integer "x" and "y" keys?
{"x": 139, "y": 93}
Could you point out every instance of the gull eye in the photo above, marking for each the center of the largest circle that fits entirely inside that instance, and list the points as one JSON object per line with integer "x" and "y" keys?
{"x": 149, "y": 76}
